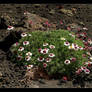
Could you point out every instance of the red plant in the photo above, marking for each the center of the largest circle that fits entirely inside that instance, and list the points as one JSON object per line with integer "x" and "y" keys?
{"x": 64, "y": 78}
{"x": 61, "y": 22}
{"x": 30, "y": 22}
{"x": 89, "y": 65}
{"x": 69, "y": 28}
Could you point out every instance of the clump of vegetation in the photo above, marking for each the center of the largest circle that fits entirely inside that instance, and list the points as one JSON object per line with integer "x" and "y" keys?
{"x": 56, "y": 52}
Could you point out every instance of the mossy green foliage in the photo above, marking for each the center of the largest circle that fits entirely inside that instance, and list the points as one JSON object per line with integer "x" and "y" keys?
{"x": 62, "y": 52}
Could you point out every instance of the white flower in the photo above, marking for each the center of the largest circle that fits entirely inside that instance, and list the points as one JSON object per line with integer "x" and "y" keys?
{"x": 88, "y": 63}
{"x": 44, "y": 51}
{"x": 73, "y": 36}
{"x": 51, "y": 55}
{"x": 76, "y": 48}
{"x": 27, "y": 58}
{"x": 70, "y": 47}
{"x": 67, "y": 62}
{"x": 40, "y": 50}
{"x": 83, "y": 68}
{"x": 45, "y": 44}
{"x": 84, "y": 41}
{"x": 91, "y": 58}
{"x": 74, "y": 44}
{"x": 52, "y": 46}
{"x": 81, "y": 34}
{"x": 88, "y": 53}
{"x": 25, "y": 42}
{"x": 90, "y": 42}
{"x": 19, "y": 57}
{"x": 66, "y": 43}
{"x": 15, "y": 44}
{"x": 40, "y": 59}
{"x": 29, "y": 35}
{"x": 23, "y": 35}
{"x": 21, "y": 49}
{"x": 81, "y": 48}
{"x": 29, "y": 67}
{"x": 84, "y": 28}
{"x": 70, "y": 34}
{"x": 62, "y": 38}
{"x": 10, "y": 28}
{"x": 26, "y": 13}
{"x": 48, "y": 59}
{"x": 29, "y": 54}
{"x": 87, "y": 71}
{"x": 44, "y": 65}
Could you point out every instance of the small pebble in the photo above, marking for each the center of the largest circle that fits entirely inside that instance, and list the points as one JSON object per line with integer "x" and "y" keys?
{"x": 41, "y": 81}
{"x": 0, "y": 74}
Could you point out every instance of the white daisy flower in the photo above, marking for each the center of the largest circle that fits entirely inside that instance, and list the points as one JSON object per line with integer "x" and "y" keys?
{"x": 76, "y": 48}
{"x": 44, "y": 51}
{"x": 74, "y": 44}
{"x": 10, "y": 28}
{"x": 27, "y": 58}
{"x": 84, "y": 28}
{"x": 52, "y": 46}
{"x": 29, "y": 67}
{"x": 81, "y": 48}
{"x": 88, "y": 62}
{"x": 21, "y": 48}
{"x": 45, "y": 44}
{"x": 48, "y": 59}
{"x": 88, "y": 53}
{"x": 90, "y": 42}
{"x": 83, "y": 68}
{"x": 70, "y": 34}
{"x": 29, "y": 54}
{"x": 26, "y": 43}
{"x": 19, "y": 58}
{"x": 62, "y": 38}
{"x": 44, "y": 65}
{"x": 71, "y": 47}
{"x": 84, "y": 41}
{"x": 16, "y": 44}
{"x": 26, "y": 13}
{"x": 87, "y": 71}
{"x": 29, "y": 35}
{"x": 73, "y": 35}
{"x": 40, "y": 50}
{"x": 91, "y": 58}
{"x": 67, "y": 62}
{"x": 51, "y": 55}
{"x": 66, "y": 43}
{"x": 40, "y": 59}
{"x": 23, "y": 35}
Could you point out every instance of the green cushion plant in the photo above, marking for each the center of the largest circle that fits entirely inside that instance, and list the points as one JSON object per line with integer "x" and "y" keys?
{"x": 57, "y": 52}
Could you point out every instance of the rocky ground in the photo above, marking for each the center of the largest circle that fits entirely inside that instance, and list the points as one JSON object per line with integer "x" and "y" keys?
{"x": 59, "y": 16}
